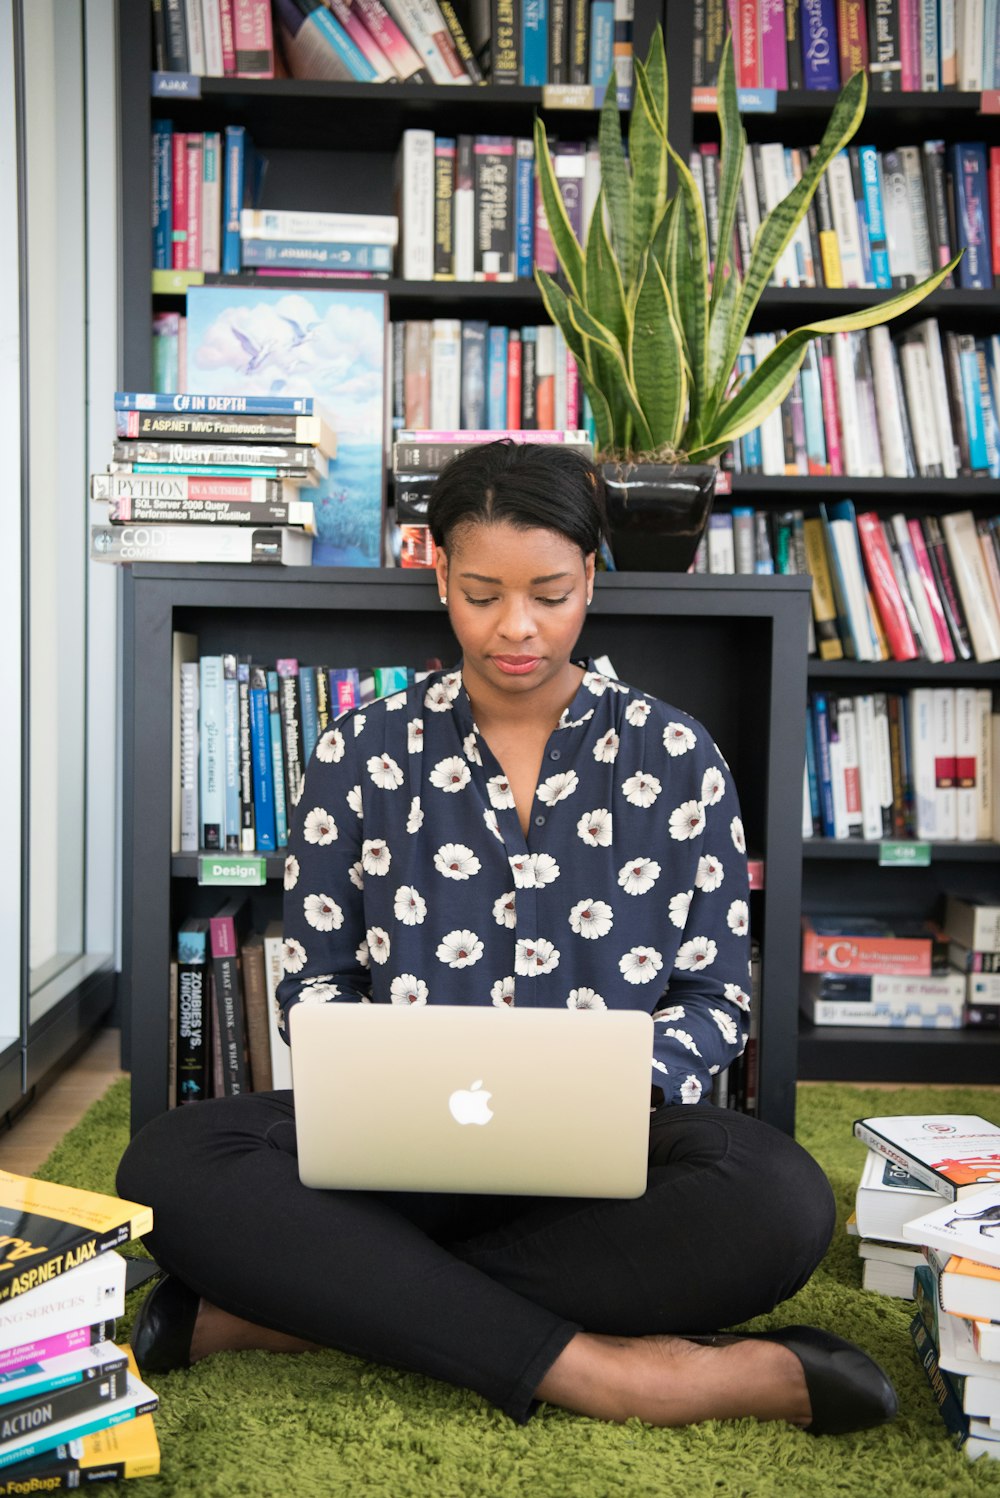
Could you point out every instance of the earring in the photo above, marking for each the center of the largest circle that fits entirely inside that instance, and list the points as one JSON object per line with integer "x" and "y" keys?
{"x": 590, "y": 600}
{"x": 444, "y": 599}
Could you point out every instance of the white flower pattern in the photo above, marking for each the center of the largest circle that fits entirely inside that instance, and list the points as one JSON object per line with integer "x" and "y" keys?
{"x": 369, "y": 918}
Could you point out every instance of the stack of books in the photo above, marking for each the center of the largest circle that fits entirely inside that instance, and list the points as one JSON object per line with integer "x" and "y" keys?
{"x": 973, "y": 930}
{"x": 956, "y": 1325}
{"x": 417, "y": 459}
{"x": 212, "y": 478}
{"x": 859, "y": 970}
{"x": 72, "y": 1407}
{"x": 886, "y": 1198}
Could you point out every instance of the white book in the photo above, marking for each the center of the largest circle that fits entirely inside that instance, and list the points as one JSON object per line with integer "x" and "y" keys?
{"x": 985, "y": 767}
{"x": 956, "y": 1154}
{"x": 930, "y": 334}
{"x": 545, "y": 353}
{"x": 913, "y": 171}
{"x": 95, "y": 1291}
{"x": 968, "y": 1228}
{"x": 200, "y": 543}
{"x": 776, "y": 185}
{"x": 969, "y": 45}
{"x": 591, "y": 185}
{"x": 883, "y": 759}
{"x": 847, "y": 727}
{"x": 211, "y": 202}
{"x": 920, "y": 711}
{"x": 721, "y": 550}
{"x": 802, "y": 242}
{"x": 772, "y": 441}
{"x": 415, "y": 204}
{"x": 211, "y": 25}
{"x": 885, "y": 1278}
{"x": 973, "y": 583}
{"x": 890, "y": 419}
{"x": 464, "y": 211}
{"x": 967, "y": 738}
{"x": 944, "y": 737}
{"x": 428, "y": 34}
{"x": 886, "y": 1197}
{"x": 838, "y": 783}
{"x": 446, "y": 373}
{"x": 930, "y": 68}
{"x": 195, "y": 36}
{"x": 807, "y": 821}
{"x": 187, "y": 749}
{"x": 871, "y": 798}
{"x": 986, "y": 1338}
{"x": 864, "y": 384}
{"x": 917, "y": 383}
{"x": 847, "y": 400}
{"x": 281, "y": 1055}
{"x": 845, "y": 219}
{"x": 306, "y": 226}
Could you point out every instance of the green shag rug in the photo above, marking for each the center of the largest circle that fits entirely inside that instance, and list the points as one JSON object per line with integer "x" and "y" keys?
{"x": 327, "y": 1424}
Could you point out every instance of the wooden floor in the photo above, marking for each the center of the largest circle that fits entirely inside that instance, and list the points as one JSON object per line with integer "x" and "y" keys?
{"x": 61, "y": 1104}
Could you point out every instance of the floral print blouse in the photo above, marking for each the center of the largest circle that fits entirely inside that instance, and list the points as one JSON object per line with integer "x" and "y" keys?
{"x": 408, "y": 879}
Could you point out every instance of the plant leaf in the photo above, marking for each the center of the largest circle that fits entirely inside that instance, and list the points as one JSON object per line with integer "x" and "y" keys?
{"x": 732, "y": 145}
{"x": 770, "y": 382}
{"x": 567, "y": 246}
{"x": 687, "y": 278}
{"x": 656, "y": 355}
{"x": 648, "y": 156}
{"x": 605, "y": 294}
{"x": 605, "y": 340}
{"x": 557, "y": 306}
{"x": 616, "y": 183}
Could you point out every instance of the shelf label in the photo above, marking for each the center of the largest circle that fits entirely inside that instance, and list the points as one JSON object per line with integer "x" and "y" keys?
{"x": 989, "y": 101}
{"x": 176, "y": 86}
{"x": 567, "y": 96}
{"x": 166, "y": 282}
{"x": 231, "y": 869}
{"x": 750, "y": 100}
{"x": 896, "y": 855}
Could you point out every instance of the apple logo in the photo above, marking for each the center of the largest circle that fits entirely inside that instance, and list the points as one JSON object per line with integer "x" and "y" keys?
{"x": 470, "y": 1106}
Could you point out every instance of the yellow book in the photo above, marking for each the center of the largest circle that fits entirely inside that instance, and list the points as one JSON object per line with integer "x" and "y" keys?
{"x": 46, "y": 1230}
{"x": 823, "y": 601}
{"x": 829, "y": 251}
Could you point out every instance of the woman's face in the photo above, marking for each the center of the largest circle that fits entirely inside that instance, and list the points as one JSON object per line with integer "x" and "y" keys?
{"x": 517, "y": 600}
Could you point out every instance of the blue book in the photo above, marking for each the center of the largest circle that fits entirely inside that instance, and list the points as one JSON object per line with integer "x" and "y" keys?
{"x": 821, "y": 731}
{"x": 812, "y": 778}
{"x": 307, "y": 706}
{"x": 968, "y": 366}
{"x": 602, "y": 44}
{"x": 496, "y": 380}
{"x": 968, "y": 164}
{"x": 871, "y": 181}
{"x": 245, "y": 405}
{"x": 211, "y": 756}
{"x": 991, "y": 410}
{"x": 750, "y": 445}
{"x": 524, "y": 211}
{"x": 263, "y": 772}
{"x": 820, "y": 63}
{"x": 163, "y": 182}
{"x": 317, "y": 254}
{"x": 345, "y": 689}
{"x": 231, "y": 711}
{"x": 243, "y": 175}
{"x": 473, "y": 407}
{"x": 309, "y": 26}
{"x": 535, "y": 43}
{"x": 587, "y": 416}
{"x": 277, "y": 760}
{"x": 991, "y": 52}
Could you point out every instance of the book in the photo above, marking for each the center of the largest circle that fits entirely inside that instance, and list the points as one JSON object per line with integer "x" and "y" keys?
{"x": 48, "y": 1229}
{"x": 255, "y": 1006}
{"x": 973, "y": 1233}
{"x": 955, "y": 1346}
{"x": 885, "y": 1001}
{"x": 61, "y": 1344}
{"x": 92, "y": 1292}
{"x": 110, "y": 1454}
{"x": 954, "y": 1154}
{"x": 946, "y": 1392}
{"x": 192, "y": 1058}
{"x": 138, "y": 1399}
{"x": 973, "y": 922}
{"x": 974, "y": 589}
{"x": 966, "y": 1287}
{"x": 32, "y": 1399}
{"x": 865, "y": 945}
{"x": 281, "y": 1062}
{"x": 887, "y": 1196}
{"x": 179, "y": 542}
{"x": 226, "y": 929}
{"x": 306, "y": 465}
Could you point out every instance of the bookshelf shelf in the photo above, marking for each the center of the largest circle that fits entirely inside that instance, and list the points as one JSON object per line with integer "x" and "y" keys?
{"x": 834, "y": 1054}
{"x": 946, "y": 493}
{"x": 943, "y": 672}
{"x": 952, "y": 110}
{"x": 794, "y": 301}
{"x": 500, "y": 299}
{"x": 853, "y": 849}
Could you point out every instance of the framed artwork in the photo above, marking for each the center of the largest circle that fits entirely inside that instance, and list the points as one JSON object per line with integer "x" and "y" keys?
{"x": 330, "y": 344}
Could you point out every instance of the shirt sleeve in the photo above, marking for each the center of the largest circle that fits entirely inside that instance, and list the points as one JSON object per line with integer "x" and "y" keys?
{"x": 702, "y": 1023}
{"x": 324, "y": 954}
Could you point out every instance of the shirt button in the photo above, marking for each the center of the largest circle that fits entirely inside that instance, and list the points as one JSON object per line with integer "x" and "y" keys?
{"x": 539, "y": 821}
{"x": 555, "y": 754}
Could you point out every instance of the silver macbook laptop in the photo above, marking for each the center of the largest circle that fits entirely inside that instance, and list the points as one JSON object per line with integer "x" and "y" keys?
{"x": 522, "y": 1102}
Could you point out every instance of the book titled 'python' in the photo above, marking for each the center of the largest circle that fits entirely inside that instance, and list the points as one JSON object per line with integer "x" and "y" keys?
{"x": 46, "y": 1230}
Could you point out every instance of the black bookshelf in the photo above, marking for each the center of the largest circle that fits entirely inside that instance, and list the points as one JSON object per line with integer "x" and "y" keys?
{"x": 730, "y": 650}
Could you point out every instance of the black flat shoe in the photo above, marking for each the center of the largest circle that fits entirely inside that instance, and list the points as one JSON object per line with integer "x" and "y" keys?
{"x": 163, "y": 1327}
{"x": 847, "y": 1389}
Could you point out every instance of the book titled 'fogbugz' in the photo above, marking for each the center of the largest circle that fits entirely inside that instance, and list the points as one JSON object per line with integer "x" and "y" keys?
{"x": 47, "y": 1230}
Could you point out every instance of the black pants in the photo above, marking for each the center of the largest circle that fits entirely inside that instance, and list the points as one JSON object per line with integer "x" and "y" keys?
{"x": 480, "y": 1291}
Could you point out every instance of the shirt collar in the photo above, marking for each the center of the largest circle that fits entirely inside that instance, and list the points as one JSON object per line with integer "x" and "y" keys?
{"x": 592, "y": 688}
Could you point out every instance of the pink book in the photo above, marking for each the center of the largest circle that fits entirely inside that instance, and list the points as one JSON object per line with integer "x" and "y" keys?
{"x": 228, "y": 38}
{"x": 885, "y": 588}
{"x": 773, "y": 47}
{"x": 363, "y": 40}
{"x": 572, "y": 392}
{"x": 179, "y": 206}
{"x": 253, "y": 38}
{"x": 404, "y": 58}
{"x": 545, "y": 250}
{"x": 55, "y": 1347}
{"x": 909, "y": 46}
{"x": 831, "y": 415}
{"x": 195, "y": 170}
{"x": 930, "y": 588}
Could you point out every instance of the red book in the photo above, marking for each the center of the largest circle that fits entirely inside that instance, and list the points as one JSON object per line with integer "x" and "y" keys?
{"x": 885, "y": 589}
{"x": 930, "y": 589}
{"x": 831, "y": 408}
{"x": 514, "y": 379}
{"x": 747, "y": 40}
{"x": 228, "y": 38}
{"x": 994, "y": 197}
{"x": 852, "y": 37}
{"x": 179, "y": 207}
{"x": 859, "y": 944}
{"x": 253, "y": 38}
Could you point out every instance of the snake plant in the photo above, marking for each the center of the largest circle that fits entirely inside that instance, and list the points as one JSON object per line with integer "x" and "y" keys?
{"x": 656, "y": 337}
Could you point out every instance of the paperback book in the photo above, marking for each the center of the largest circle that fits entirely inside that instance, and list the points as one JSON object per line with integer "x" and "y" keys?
{"x": 955, "y": 1154}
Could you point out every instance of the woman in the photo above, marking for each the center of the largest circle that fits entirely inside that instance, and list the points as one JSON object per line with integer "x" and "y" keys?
{"x": 523, "y": 830}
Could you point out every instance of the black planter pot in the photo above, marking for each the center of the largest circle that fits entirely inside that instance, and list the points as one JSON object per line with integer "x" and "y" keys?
{"x": 657, "y": 513}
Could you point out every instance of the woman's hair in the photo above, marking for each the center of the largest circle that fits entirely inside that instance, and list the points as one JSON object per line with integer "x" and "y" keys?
{"x": 525, "y": 484}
